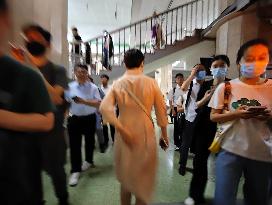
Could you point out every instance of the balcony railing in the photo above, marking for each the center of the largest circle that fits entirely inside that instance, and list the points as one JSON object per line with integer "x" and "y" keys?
{"x": 174, "y": 24}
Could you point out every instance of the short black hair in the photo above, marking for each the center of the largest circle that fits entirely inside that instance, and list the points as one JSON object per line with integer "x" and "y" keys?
{"x": 105, "y": 76}
{"x": 3, "y": 5}
{"x": 179, "y": 75}
{"x": 133, "y": 58}
{"x": 224, "y": 58}
{"x": 245, "y": 46}
{"x": 84, "y": 66}
{"x": 74, "y": 29}
{"x": 34, "y": 27}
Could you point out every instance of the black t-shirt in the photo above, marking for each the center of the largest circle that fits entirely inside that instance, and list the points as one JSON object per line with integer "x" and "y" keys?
{"x": 56, "y": 75}
{"x": 22, "y": 90}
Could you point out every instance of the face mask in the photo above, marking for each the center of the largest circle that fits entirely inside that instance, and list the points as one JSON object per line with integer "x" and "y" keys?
{"x": 252, "y": 70}
{"x": 220, "y": 72}
{"x": 35, "y": 48}
{"x": 201, "y": 75}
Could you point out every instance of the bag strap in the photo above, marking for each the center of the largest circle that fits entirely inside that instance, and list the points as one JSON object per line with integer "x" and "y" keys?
{"x": 174, "y": 91}
{"x": 188, "y": 98}
{"x": 227, "y": 93}
{"x": 138, "y": 102}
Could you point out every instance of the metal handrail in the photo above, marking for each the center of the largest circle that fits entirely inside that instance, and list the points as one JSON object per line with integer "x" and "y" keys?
{"x": 174, "y": 24}
{"x": 146, "y": 19}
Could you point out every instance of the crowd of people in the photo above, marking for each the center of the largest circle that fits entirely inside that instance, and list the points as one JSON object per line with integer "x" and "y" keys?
{"x": 36, "y": 97}
{"x": 237, "y": 110}
{"x": 77, "y": 56}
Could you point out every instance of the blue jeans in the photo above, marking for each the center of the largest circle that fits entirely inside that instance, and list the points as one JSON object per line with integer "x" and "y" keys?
{"x": 229, "y": 169}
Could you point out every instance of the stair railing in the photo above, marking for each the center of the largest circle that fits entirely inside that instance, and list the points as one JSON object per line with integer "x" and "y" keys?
{"x": 174, "y": 25}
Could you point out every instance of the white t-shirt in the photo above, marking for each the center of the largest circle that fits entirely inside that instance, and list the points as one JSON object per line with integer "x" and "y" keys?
{"x": 182, "y": 99}
{"x": 249, "y": 138}
{"x": 175, "y": 96}
{"x": 105, "y": 89}
{"x": 190, "y": 111}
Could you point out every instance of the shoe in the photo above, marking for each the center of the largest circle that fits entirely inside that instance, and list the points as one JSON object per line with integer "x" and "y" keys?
{"x": 189, "y": 169}
{"x": 85, "y": 166}
{"x": 200, "y": 201}
{"x": 92, "y": 165}
{"x": 102, "y": 150}
{"x": 74, "y": 179}
{"x": 105, "y": 146}
{"x": 182, "y": 171}
{"x": 189, "y": 201}
{"x": 63, "y": 202}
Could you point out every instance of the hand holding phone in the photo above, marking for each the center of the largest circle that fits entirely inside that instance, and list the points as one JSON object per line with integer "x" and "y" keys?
{"x": 75, "y": 98}
{"x": 17, "y": 53}
{"x": 163, "y": 144}
{"x": 257, "y": 109}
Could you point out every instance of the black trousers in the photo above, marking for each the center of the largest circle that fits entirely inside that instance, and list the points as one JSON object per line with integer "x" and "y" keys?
{"x": 187, "y": 137}
{"x": 53, "y": 150}
{"x": 20, "y": 165}
{"x": 205, "y": 133}
{"x": 177, "y": 129}
{"x": 106, "y": 133}
{"x": 78, "y": 126}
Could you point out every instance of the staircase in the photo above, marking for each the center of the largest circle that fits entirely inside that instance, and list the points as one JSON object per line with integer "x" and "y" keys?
{"x": 181, "y": 28}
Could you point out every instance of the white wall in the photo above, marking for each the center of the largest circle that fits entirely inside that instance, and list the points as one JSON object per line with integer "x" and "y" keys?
{"x": 50, "y": 14}
{"x": 190, "y": 55}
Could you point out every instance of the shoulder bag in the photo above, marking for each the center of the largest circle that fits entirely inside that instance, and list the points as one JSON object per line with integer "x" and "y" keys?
{"x": 222, "y": 128}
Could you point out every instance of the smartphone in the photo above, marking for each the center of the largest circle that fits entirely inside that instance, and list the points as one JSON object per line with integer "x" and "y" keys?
{"x": 256, "y": 109}
{"x": 75, "y": 98}
{"x": 163, "y": 144}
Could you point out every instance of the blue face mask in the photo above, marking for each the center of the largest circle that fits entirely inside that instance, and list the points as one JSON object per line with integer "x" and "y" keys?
{"x": 252, "y": 70}
{"x": 201, "y": 75}
{"x": 220, "y": 72}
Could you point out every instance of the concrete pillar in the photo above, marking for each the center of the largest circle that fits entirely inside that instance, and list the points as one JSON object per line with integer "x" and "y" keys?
{"x": 50, "y": 14}
{"x": 232, "y": 34}
{"x": 163, "y": 77}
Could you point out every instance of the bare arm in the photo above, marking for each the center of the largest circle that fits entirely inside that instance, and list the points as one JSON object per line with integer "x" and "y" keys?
{"x": 92, "y": 103}
{"x": 220, "y": 117}
{"x": 186, "y": 84}
{"x": 180, "y": 109}
{"x": 205, "y": 99}
{"x": 32, "y": 122}
{"x": 55, "y": 93}
{"x": 164, "y": 133}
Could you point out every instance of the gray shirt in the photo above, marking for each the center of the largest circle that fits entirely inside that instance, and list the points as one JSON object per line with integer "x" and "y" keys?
{"x": 56, "y": 75}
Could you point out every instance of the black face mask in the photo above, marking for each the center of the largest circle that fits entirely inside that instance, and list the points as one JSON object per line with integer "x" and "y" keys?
{"x": 35, "y": 48}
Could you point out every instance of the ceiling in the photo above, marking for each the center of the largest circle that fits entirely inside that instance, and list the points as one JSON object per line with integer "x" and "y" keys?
{"x": 91, "y": 17}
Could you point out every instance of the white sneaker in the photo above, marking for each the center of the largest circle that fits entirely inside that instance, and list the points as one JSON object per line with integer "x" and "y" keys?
{"x": 74, "y": 179}
{"x": 86, "y": 165}
{"x": 189, "y": 201}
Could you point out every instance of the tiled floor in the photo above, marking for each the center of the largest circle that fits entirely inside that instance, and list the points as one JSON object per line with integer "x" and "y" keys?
{"x": 99, "y": 187}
